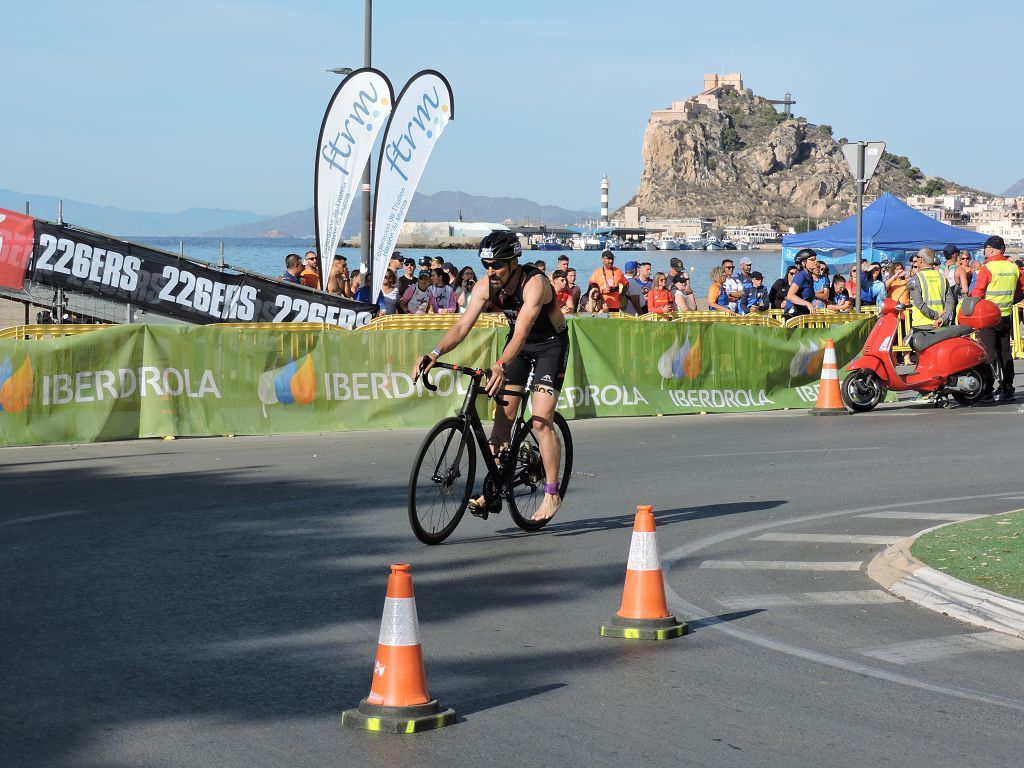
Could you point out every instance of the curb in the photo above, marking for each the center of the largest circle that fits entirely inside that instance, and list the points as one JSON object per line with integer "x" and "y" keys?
{"x": 905, "y": 576}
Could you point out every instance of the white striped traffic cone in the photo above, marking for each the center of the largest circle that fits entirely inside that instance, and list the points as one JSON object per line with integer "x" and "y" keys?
{"x": 644, "y": 614}
{"x": 830, "y": 399}
{"x": 398, "y": 700}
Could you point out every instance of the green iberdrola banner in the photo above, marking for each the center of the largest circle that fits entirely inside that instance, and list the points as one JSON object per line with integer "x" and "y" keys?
{"x": 149, "y": 381}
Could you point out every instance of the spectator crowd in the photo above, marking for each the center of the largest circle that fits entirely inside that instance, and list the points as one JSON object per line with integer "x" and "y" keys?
{"x": 433, "y": 285}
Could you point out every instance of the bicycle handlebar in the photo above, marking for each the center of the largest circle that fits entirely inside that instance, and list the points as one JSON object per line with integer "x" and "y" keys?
{"x": 474, "y": 373}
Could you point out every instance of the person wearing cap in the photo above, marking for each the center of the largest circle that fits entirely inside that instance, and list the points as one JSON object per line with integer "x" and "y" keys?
{"x": 1001, "y": 282}
{"x": 682, "y": 294}
{"x": 931, "y": 304}
{"x": 755, "y": 298}
{"x": 745, "y": 279}
{"x": 952, "y": 253}
{"x": 800, "y": 295}
{"x": 416, "y": 300}
{"x": 611, "y": 281}
{"x": 408, "y": 277}
{"x": 638, "y": 287}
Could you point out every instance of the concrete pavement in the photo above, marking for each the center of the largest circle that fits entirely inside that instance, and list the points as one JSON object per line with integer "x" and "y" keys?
{"x": 217, "y": 602}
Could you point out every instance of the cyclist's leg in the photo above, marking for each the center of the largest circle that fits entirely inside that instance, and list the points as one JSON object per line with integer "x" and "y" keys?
{"x": 549, "y": 373}
{"x": 505, "y": 415}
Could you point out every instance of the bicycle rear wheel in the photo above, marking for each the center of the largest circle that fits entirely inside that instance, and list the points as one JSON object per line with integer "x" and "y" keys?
{"x": 441, "y": 481}
{"x": 524, "y": 483}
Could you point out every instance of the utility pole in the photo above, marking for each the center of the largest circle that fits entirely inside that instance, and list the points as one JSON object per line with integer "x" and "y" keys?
{"x": 365, "y": 257}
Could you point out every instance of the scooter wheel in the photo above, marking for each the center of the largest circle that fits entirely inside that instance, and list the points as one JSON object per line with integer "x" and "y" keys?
{"x": 983, "y": 375}
{"x": 862, "y": 390}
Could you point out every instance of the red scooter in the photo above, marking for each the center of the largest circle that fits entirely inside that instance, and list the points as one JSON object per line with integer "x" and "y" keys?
{"x": 948, "y": 361}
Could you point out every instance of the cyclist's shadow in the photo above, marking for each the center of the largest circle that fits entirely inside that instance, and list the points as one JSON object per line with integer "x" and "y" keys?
{"x": 661, "y": 516}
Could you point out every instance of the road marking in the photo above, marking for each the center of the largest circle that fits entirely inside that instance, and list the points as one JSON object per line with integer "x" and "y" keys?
{"x": 932, "y": 649}
{"x": 38, "y": 518}
{"x": 773, "y": 452}
{"x": 695, "y": 614}
{"x": 829, "y": 538}
{"x": 847, "y": 597}
{"x": 892, "y": 514}
{"x": 781, "y": 565}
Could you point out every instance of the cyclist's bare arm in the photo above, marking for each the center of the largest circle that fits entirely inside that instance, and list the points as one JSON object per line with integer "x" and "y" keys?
{"x": 454, "y": 335}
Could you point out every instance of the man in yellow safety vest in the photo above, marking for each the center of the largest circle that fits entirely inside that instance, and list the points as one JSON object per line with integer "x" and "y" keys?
{"x": 932, "y": 303}
{"x": 1001, "y": 282}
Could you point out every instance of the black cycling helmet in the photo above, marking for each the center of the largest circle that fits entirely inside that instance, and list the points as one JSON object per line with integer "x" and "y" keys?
{"x": 803, "y": 256}
{"x": 500, "y": 245}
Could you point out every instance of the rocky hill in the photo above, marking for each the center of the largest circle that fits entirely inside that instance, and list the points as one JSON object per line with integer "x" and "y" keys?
{"x": 1016, "y": 190}
{"x": 747, "y": 162}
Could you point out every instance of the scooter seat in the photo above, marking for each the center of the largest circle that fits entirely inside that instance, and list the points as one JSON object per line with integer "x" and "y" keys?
{"x": 920, "y": 340}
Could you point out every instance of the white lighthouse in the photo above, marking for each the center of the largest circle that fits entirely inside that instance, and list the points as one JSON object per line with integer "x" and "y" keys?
{"x": 604, "y": 201}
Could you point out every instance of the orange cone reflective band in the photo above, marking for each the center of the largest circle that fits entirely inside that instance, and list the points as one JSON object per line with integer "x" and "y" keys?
{"x": 398, "y": 700}
{"x": 644, "y": 613}
{"x": 830, "y": 399}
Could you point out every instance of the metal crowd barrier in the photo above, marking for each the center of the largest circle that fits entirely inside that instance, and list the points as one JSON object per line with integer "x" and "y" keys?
{"x": 48, "y": 331}
{"x": 763, "y": 319}
{"x": 431, "y": 322}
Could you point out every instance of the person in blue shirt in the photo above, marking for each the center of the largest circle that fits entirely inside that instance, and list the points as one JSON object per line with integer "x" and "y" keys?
{"x": 292, "y": 269}
{"x": 801, "y": 290}
{"x": 755, "y": 297}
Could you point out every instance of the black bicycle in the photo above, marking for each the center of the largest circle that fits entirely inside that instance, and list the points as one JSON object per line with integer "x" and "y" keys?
{"x": 442, "y": 477}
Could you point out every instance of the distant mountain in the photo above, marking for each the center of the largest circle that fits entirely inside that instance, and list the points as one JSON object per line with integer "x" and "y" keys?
{"x": 1016, "y": 190}
{"x": 118, "y": 222}
{"x": 440, "y": 206}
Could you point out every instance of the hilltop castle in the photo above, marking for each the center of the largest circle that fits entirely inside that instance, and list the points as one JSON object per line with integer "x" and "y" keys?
{"x": 706, "y": 100}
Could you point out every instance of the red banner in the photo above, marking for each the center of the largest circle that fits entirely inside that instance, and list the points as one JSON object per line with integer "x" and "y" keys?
{"x": 16, "y": 237}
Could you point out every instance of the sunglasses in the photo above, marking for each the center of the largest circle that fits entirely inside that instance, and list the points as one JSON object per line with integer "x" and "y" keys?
{"x": 494, "y": 265}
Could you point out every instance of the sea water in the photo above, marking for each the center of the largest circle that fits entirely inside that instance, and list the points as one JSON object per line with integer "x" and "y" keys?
{"x": 265, "y": 256}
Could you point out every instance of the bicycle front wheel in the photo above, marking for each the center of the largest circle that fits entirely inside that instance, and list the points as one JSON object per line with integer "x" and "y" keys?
{"x": 441, "y": 481}
{"x": 524, "y": 483}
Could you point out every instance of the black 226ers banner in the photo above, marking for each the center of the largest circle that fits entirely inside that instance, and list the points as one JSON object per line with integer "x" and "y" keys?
{"x": 70, "y": 258}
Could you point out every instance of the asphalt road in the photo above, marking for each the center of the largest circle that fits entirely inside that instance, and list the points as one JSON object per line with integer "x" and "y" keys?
{"x": 217, "y": 602}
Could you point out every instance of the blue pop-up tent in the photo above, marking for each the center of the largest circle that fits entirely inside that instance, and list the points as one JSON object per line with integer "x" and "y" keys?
{"x": 891, "y": 230}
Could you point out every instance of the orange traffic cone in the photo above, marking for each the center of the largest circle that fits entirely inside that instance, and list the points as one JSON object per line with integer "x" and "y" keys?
{"x": 830, "y": 399}
{"x": 398, "y": 700}
{"x": 644, "y": 614}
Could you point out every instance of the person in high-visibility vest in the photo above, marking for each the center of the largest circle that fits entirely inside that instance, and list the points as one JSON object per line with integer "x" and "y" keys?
{"x": 932, "y": 304}
{"x": 1001, "y": 282}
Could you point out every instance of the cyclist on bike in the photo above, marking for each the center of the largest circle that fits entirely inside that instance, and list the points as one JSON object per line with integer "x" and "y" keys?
{"x": 538, "y": 339}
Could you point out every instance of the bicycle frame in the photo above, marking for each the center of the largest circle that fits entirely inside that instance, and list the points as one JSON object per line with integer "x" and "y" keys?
{"x": 468, "y": 413}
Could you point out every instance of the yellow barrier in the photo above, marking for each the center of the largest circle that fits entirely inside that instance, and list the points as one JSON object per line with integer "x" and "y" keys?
{"x": 433, "y": 322}
{"x": 36, "y": 332}
{"x": 1016, "y": 342}
{"x": 827, "y": 319}
{"x": 763, "y": 319}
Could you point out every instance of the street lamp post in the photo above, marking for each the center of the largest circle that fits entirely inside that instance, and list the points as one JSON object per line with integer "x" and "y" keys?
{"x": 365, "y": 260}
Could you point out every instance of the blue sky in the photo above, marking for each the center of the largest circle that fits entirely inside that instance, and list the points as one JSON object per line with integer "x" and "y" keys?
{"x": 164, "y": 106}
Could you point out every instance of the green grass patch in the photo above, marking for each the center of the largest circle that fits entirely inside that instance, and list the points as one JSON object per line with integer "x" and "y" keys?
{"x": 988, "y": 552}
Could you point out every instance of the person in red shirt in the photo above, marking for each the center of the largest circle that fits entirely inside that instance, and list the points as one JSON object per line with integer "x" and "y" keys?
{"x": 563, "y": 296}
{"x": 659, "y": 298}
{"x": 1001, "y": 282}
{"x": 611, "y": 281}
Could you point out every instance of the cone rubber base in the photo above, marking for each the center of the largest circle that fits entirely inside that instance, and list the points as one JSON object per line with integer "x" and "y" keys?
{"x": 644, "y": 629}
{"x": 829, "y": 412}
{"x": 422, "y": 717}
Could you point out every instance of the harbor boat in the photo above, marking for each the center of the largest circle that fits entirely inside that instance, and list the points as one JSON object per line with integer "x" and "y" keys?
{"x": 696, "y": 242}
{"x": 728, "y": 244}
{"x": 712, "y": 244}
{"x": 668, "y": 244}
{"x": 586, "y": 243}
{"x": 650, "y": 245}
{"x": 548, "y": 244}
